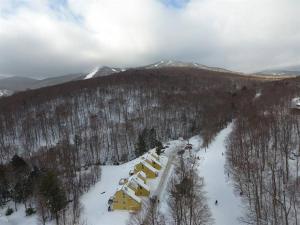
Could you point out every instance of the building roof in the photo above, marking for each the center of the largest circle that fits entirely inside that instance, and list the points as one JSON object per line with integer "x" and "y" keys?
{"x": 153, "y": 153}
{"x": 135, "y": 179}
{"x": 142, "y": 174}
{"x": 146, "y": 164}
{"x": 151, "y": 158}
{"x": 122, "y": 181}
{"x": 129, "y": 192}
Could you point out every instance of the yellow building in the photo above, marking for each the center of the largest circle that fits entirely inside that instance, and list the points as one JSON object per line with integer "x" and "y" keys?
{"x": 152, "y": 161}
{"x": 125, "y": 199}
{"x": 146, "y": 168}
{"x": 138, "y": 186}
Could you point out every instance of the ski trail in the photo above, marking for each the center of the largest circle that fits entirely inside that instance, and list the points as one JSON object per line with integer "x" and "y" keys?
{"x": 212, "y": 163}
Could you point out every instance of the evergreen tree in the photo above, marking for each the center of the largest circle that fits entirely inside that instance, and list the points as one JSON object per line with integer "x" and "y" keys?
{"x": 152, "y": 138}
{"x": 18, "y": 164}
{"x": 159, "y": 147}
{"x": 52, "y": 191}
{"x": 140, "y": 147}
{"x": 145, "y": 135}
{"x": 4, "y": 187}
{"x": 19, "y": 180}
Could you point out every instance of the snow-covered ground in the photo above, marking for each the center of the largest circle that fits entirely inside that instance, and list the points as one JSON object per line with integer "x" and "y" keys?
{"x": 212, "y": 169}
{"x": 95, "y": 201}
{"x": 217, "y": 184}
{"x": 95, "y": 204}
{"x": 18, "y": 217}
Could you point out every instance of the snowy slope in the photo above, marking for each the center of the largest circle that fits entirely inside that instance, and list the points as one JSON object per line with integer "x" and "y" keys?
{"x": 217, "y": 186}
{"x": 217, "y": 183}
{"x": 19, "y": 218}
{"x": 91, "y": 74}
{"x": 174, "y": 63}
{"x": 103, "y": 71}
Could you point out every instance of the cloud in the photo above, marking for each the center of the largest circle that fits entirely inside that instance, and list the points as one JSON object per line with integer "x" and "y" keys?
{"x": 48, "y": 38}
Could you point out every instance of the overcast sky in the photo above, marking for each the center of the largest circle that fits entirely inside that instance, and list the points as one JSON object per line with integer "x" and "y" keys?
{"x": 52, "y": 37}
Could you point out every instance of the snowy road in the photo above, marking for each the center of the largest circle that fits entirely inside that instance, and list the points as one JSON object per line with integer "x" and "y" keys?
{"x": 217, "y": 186}
{"x": 164, "y": 179}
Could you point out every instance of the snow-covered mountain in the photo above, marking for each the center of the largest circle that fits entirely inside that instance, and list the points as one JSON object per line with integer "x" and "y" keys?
{"x": 102, "y": 71}
{"x": 175, "y": 63}
{"x": 15, "y": 83}
{"x": 282, "y": 71}
{"x": 106, "y": 70}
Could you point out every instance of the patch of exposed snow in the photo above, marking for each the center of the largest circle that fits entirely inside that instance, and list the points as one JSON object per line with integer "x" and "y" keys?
{"x": 196, "y": 142}
{"x": 18, "y": 217}
{"x": 257, "y": 95}
{"x": 5, "y": 92}
{"x": 91, "y": 74}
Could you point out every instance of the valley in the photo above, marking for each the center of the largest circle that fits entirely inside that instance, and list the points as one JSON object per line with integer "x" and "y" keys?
{"x": 149, "y": 112}
{"x": 91, "y": 132}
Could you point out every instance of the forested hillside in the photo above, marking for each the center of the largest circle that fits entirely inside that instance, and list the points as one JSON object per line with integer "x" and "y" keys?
{"x": 264, "y": 154}
{"x": 58, "y": 136}
{"x": 103, "y": 117}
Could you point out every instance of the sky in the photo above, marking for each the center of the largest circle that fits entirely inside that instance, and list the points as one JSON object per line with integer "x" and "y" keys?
{"x": 43, "y": 38}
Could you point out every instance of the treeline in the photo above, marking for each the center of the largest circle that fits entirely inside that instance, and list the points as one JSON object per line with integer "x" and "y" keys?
{"x": 264, "y": 155}
{"x": 71, "y": 129}
{"x": 48, "y": 185}
{"x": 147, "y": 140}
{"x": 105, "y": 116}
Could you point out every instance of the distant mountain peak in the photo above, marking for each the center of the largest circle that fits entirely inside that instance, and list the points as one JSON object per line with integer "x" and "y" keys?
{"x": 176, "y": 63}
{"x": 103, "y": 71}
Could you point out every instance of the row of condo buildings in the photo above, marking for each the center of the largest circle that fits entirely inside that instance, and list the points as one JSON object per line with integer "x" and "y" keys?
{"x": 130, "y": 190}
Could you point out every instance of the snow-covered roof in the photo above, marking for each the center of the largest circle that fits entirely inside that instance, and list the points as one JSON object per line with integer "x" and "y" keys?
{"x": 135, "y": 179}
{"x": 142, "y": 174}
{"x": 122, "y": 181}
{"x": 151, "y": 158}
{"x": 133, "y": 184}
{"x": 129, "y": 192}
{"x": 146, "y": 164}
